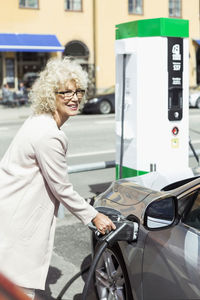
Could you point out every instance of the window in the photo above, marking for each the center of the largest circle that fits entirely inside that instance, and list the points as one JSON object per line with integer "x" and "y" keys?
{"x": 73, "y": 5}
{"x": 175, "y": 8}
{"x": 1, "y": 71}
{"x": 28, "y": 3}
{"x": 77, "y": 49}
{"x": 135, "y": 7}
{"x": 29, "y": 64}
{"x": 10, "y": 72}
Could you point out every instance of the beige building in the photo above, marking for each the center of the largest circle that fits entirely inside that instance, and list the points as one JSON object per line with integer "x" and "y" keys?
{"x": 31, "y": 31}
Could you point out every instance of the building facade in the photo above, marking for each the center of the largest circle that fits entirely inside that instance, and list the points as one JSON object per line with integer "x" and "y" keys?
{"x": 31, "y": 31}
{"x": 121, "y": 11}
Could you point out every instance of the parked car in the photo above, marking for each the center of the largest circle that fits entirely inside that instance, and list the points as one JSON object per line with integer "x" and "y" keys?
{"x": 163, "y": 261}
{"x": 103, "y": 104}
{"x": 194, "y": 99}
{"x": 29, "y": 78}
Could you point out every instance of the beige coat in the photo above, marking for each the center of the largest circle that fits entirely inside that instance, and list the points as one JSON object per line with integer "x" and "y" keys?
{"x": 33, "y": 181}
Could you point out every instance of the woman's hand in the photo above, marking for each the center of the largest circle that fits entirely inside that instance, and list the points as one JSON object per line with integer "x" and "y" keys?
{"x": 103, "y": 223}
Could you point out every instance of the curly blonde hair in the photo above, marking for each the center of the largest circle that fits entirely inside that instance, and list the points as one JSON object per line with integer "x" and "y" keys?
{"x": 57, "y": 73}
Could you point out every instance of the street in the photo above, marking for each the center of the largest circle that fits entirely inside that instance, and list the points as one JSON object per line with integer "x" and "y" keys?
{"x": 91, "y": 139}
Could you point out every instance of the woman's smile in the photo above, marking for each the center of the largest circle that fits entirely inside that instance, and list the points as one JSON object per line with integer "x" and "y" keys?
{"x": 73, "y": 106}
{"x": 67, "y": 102}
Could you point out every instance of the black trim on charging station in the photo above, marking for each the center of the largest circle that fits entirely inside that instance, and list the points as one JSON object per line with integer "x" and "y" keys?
{"x": 175, "y": 78}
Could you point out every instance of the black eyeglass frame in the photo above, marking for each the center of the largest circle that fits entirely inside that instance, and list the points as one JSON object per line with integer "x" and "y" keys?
{"x": 73, "y": 93}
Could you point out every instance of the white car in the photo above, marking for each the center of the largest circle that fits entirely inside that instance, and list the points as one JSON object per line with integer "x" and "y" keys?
{"x": 194, "y": 99}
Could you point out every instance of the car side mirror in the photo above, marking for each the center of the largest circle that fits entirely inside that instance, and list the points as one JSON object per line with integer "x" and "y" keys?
{"x": 160, "y": 214}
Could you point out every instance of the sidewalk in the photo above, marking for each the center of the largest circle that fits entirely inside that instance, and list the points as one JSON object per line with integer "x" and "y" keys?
{"x": 14, "y": 114}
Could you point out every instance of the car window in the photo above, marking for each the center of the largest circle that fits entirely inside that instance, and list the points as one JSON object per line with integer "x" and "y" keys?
{"x": 192, "y": 216}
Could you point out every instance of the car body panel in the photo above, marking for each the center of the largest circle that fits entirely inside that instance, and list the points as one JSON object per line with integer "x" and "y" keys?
{"x": 129, "y": 198}
{"x": 164, "y": 263}
{"x": 133, "y": 257}
{"x": 194, "y": 99}
{"x": 171, "y": 264}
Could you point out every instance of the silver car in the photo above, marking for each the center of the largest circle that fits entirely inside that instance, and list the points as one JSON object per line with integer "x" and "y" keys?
{"x": 163, "y": 262}
{"x": 194, "y": 99}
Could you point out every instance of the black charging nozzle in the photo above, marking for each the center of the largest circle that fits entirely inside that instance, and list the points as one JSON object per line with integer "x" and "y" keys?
{"x": 125, "y": 231}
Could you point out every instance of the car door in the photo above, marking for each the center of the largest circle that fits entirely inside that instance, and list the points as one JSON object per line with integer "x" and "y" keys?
{"x": 171, "y": 256}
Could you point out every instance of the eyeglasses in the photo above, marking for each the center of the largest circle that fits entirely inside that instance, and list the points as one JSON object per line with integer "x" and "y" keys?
{"x": 69, "y": 94}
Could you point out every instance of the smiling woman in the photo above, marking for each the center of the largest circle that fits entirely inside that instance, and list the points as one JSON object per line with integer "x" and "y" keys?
{"x": 68, "y": 101}
{"x": 54, "y": 79}
{"x": 34, "y": 178}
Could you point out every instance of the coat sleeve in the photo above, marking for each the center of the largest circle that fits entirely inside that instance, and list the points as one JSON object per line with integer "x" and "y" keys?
{"x": 50, "y": 154}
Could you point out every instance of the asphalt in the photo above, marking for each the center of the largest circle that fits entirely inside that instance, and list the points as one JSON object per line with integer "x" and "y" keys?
{"x": 72, "y": 251}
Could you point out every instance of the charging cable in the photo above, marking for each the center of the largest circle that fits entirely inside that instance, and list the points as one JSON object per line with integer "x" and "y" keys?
{"x": 125, "y": 231}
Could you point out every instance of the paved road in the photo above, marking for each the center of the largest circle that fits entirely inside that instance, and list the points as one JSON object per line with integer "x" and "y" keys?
{"x": 92, "y": 138}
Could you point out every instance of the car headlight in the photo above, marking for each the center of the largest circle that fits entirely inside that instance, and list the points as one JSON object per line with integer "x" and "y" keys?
{"x": 94, "y": 100}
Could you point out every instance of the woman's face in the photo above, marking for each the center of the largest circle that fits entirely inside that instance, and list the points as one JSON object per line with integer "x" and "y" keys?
{"x": 68, "y": 99}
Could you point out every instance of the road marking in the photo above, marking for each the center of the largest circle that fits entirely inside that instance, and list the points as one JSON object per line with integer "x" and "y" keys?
{"x": 105, "y": 122}
{"x": 195, "y": 142}
{"x": 91, "y": 153}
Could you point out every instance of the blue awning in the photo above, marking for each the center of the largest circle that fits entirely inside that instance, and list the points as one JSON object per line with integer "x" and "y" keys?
{"x": 29, "y": 43}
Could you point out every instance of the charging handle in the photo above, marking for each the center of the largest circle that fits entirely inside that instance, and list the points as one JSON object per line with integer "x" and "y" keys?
{"x": 125, "y": 231}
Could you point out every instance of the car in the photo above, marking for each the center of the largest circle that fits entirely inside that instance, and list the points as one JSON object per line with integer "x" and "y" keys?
{"x": 162, "y": 261}
{"x": 29, "y": 78}
{"x": 103, "y": 104}
{"x": 194, "y": 99}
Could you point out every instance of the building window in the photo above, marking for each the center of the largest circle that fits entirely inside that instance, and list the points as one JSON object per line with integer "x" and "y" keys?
{"x": 175, "y": 8}
{"x": 73, "y": 5}
{"x": 28, "y": 3}
{"x": 10, "y": 72}
{"x": 1, "y": 71}
{"x": 29, "y": 64}
{"x": 76, "y": 49}
{"x": 135, "y": 7}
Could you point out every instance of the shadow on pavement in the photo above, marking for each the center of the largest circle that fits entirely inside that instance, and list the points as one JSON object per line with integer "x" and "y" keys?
{"x": 92, "y": 292}
{"x": 53, "y": 275}
{"x": 83, "y": 273}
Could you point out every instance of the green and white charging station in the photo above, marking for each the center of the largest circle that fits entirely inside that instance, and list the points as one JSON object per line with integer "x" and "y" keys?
{"x": 151, "y": 94}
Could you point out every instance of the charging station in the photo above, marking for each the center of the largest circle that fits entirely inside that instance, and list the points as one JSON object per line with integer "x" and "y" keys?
{"x": 152, "y": 92}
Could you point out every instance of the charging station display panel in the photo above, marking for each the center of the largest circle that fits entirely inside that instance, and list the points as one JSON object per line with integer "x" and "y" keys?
{"x": 175, "y": 78}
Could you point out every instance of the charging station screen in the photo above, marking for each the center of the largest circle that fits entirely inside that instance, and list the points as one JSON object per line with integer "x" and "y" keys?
{"x": 175, "y": 78}
{"x": 175, "y": 98}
